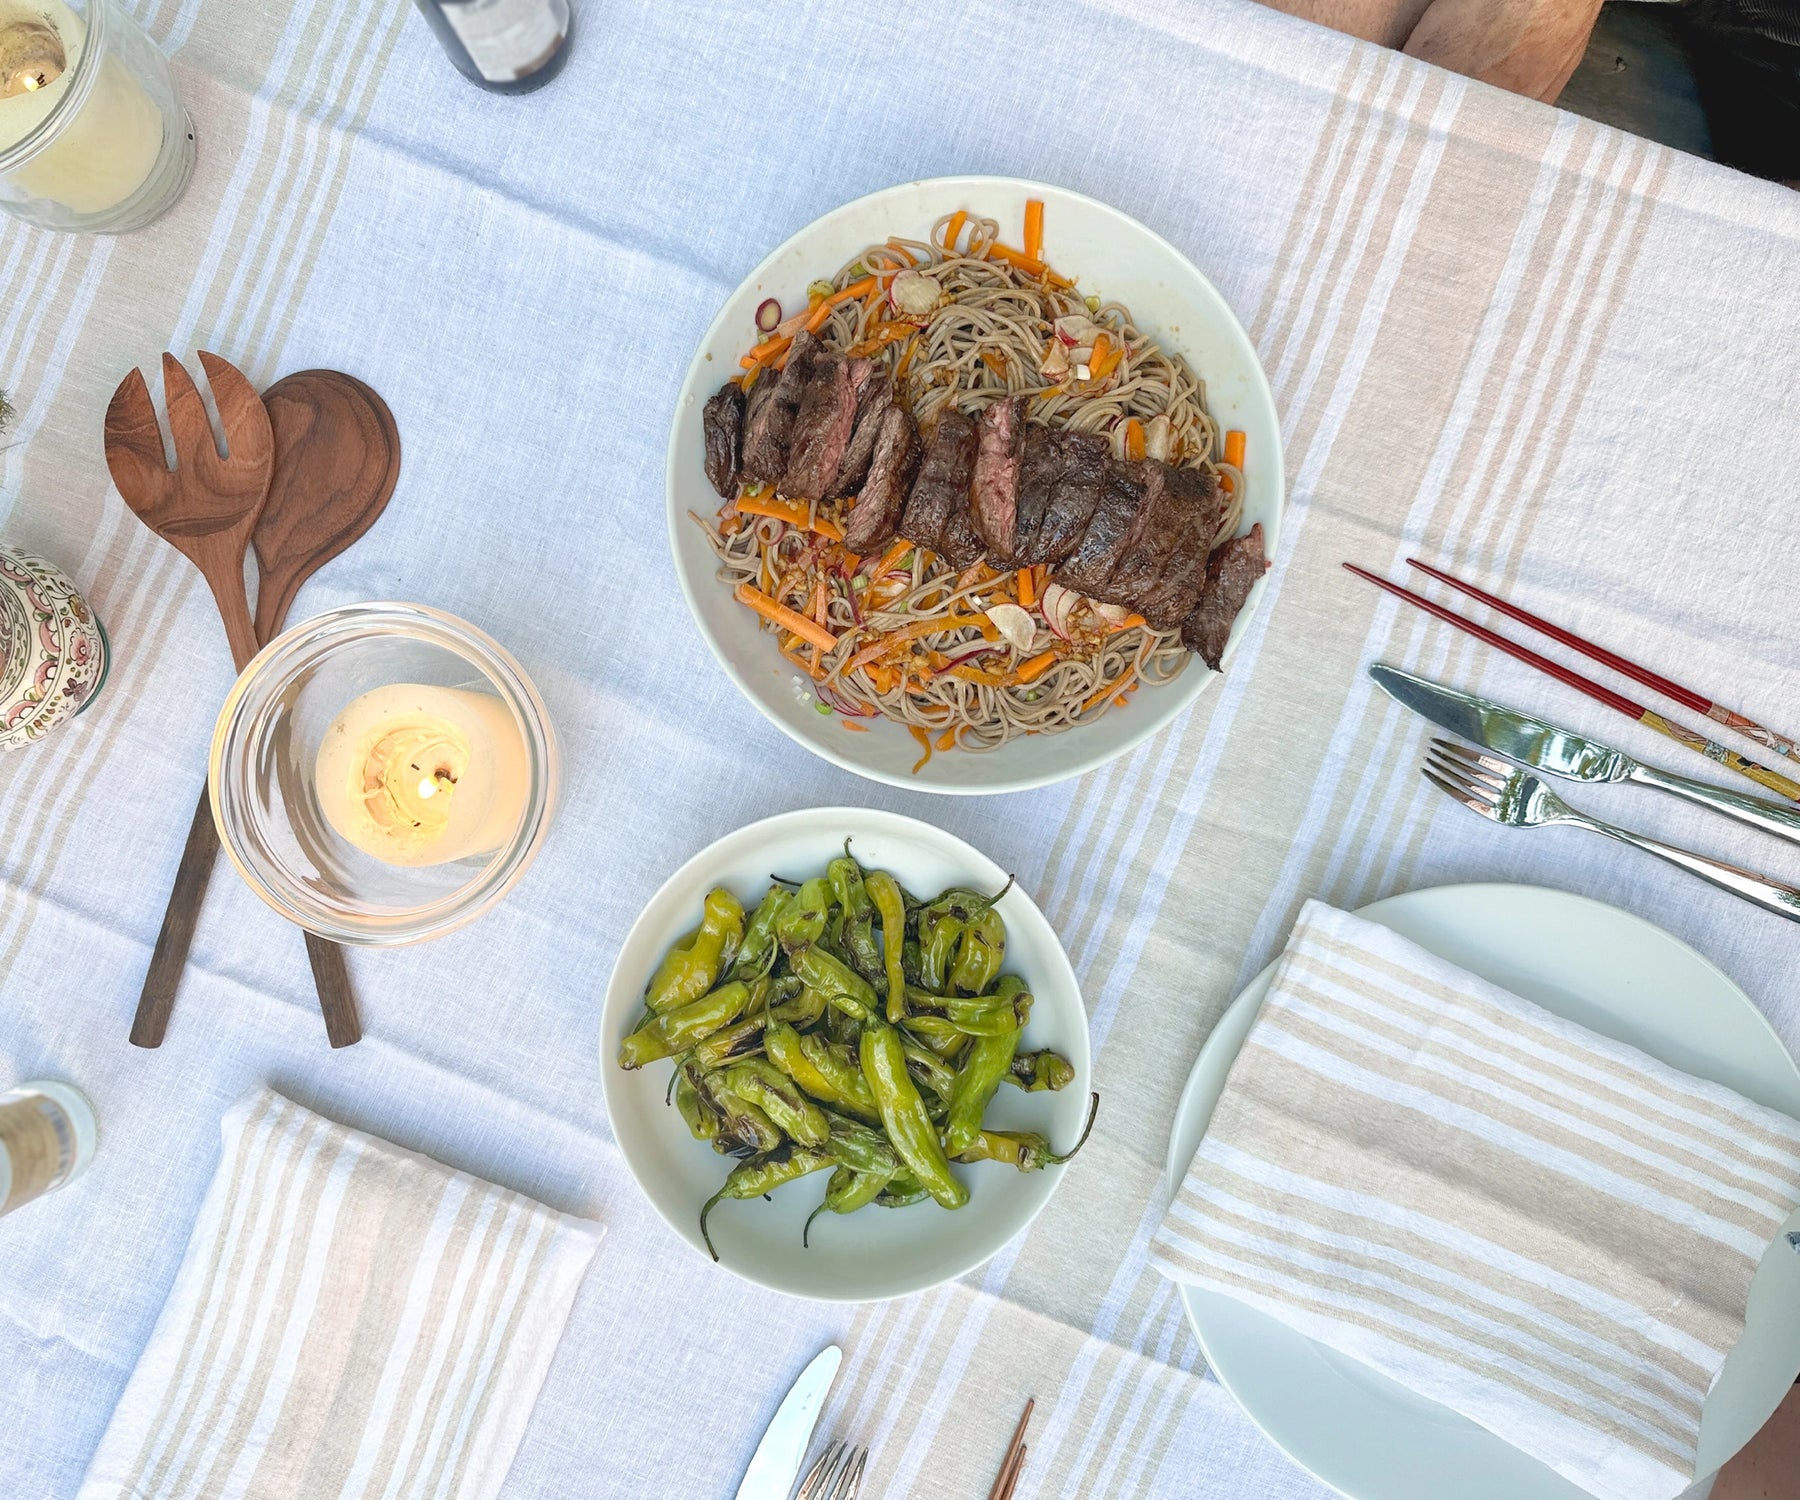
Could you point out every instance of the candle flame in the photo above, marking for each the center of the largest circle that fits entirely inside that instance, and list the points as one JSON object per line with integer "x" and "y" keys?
{"x": 428, "y": 788}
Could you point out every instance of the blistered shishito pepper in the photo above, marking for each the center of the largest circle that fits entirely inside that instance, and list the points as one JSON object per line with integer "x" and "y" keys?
{"x": 860, "y": 1148}
{"x": 1024, "y": 1149}
{"x": 836, "y": 981}
{"x": 1037, "y": 1071}
{"x": 941, "y": 924}
{"x": 742, "y": 1126}
{"x": 679, "y": 1029}
{"x": 930, "y": 1069}
{"x": 806, "y": 1006}
{"x": 740, "y": 1039}
{"x": 979, "y": 954}
{"x": 903, "y": 1112}
{"x": 702, "y": 1119}
{"x": 890, "y": 906}
{"x": 763, "y": 1084}
{"x": 912, "y": 960}
{"x": 989, "y": 1060}
{"x": 759, "y": 950}
{"x": 802, "y": 921}
{"x": 763, "y": 1174}
{"x": 692, "y": 966}
{"x": 902, "y": 1191}
{"x": 821, "y": 1070}
{"x": 845, "y": 1194}
{"x": 857, "y": 937}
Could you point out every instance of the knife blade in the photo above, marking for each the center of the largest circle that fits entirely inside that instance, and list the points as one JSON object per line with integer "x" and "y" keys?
{"x": 776, "y": 1463}
{"x": 1556, "y": 751}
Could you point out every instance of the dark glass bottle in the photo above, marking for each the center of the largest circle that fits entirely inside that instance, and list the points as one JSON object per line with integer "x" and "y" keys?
{"x": 506, "y": 46}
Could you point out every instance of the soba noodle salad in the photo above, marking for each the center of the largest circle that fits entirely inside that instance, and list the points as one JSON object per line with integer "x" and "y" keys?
{"x": 966, "y": 658}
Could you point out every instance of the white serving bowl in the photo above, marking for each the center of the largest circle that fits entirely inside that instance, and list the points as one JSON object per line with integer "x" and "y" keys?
{"x": 1112, "y": 255}
{"x": 879, "y": 1252}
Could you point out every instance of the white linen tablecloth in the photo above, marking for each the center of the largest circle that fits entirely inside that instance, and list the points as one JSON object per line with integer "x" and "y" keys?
{"x": 1536, "y": 350}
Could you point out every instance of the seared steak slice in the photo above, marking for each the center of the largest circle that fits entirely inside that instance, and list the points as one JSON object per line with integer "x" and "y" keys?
{"x": 822, "y": 427}
{"x": 1116, "y": 523}
{"x": 960, "y": 544}
{"x": 873, "y": 402}
{"x": 995, "y": 499}
{"x": 876, "y": 515}
{"x": 1181, "y": 520}
{"x": 1177, "y": 589}
{"x": 942, "y": 488}
{"x": 722, "y": 427}
{"x": 1040, "y": 462}
{"x": 1080, "y": 474}
{"x": 1231, "y": 573}
{"x": 770, "y": 422}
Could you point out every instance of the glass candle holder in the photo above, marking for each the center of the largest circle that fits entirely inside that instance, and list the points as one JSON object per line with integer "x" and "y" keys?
{"x": 93, "y": 138}
{"x": 46, "y": 1140}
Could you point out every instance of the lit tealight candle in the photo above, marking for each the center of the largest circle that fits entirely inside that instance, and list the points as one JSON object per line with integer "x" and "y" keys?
{"x": 104, "y": 154}
{"x": 419, "y": 775}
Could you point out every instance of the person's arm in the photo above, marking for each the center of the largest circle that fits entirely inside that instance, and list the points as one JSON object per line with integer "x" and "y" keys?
{"x": 1528, "y": 47}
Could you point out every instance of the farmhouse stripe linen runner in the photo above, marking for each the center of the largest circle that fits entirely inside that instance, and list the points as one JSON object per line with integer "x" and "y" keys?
{"x": 351, "y": 1319}
{"x": 1544, "y": 1229}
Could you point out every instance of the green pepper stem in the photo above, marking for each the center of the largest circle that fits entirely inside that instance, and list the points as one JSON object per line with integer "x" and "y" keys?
{"x": 1086, "y": 1131}
{"x": 707, "y": 1209}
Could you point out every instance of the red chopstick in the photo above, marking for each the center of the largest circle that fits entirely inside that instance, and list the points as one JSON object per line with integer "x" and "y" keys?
{"x": 1685, "y": 696}
{"x": 1618, "y": 702}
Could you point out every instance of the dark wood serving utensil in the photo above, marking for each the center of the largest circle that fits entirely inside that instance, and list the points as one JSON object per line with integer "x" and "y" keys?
{"x": 336, "y": 460}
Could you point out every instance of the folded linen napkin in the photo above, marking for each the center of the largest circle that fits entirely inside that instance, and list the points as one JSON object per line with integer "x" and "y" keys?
{"x": 1550, "y": 1232}
{"x": 350, "y": 1319}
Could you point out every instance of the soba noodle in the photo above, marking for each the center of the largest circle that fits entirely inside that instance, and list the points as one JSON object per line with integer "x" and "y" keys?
{"x": 987, "y": 341}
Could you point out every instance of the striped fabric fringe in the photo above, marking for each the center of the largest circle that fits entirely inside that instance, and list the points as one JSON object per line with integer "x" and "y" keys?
{"x": 350, "y": 1319}
{"x": 1549, "y": 1232}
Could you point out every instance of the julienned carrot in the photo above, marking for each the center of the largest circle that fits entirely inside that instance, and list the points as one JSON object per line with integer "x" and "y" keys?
{"x": 995, "y": 361}
{"x": 886, "y": 334}
{"x": 765, "y": 353}
{"x": 924, "y": 744}
{"x": 791, "y": 511}
{"x": 953, "y": 230}
{"x": 1034, "y": 229}
{"x": 789, "y": 620}
{"x": 1121, "y": 688}
{"x": 1026, "y": 263}
{"x": 892, "y": 557}
{"x": 1234, "y": 448}
{"x": 1134, "y": 440}
{"x": 1105, "y": 358}
{"x": 855, "y": 289}
{"x": 906, "y": 358}
{"x": 1027, "y": 587}
{"x": 1030, "y": 671}
{"x": 1130, "y": 622}
{"x": 888, "y": 640}
{"x": 947, "y": 740}
{"x": 852, "y": 724}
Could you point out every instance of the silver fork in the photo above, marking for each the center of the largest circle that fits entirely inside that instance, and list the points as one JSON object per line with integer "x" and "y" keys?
{"x": 837, "y": 1475}
{"x": 1504, "y": 794}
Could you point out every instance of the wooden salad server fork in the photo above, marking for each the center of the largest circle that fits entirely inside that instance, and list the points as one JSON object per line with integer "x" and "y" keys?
{"x": 210, "y": 509}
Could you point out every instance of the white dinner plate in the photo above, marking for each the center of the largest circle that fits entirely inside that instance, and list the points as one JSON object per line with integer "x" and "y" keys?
{"x": 1112, "y": 255}
{"x": 1616, "y": 974}
{"x": 879, "y": 1252}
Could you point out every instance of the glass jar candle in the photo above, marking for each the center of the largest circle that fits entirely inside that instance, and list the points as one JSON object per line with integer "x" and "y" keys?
{"x": 46, "y": 1140}
{"x": 92, "y": 135}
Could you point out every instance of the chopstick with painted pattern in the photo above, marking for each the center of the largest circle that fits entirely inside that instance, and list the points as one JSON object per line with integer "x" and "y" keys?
{"x": 1774, "y": 781}
{"x": 1768, "y": 738}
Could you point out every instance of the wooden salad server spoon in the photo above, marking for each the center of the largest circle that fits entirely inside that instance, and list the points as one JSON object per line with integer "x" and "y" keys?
{"x": 336, "y": 460}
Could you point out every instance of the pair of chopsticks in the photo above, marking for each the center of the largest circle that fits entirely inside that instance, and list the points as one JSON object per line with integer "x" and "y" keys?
{"x": 1008, "y": 1477}
{"x": 1687, "y": 697}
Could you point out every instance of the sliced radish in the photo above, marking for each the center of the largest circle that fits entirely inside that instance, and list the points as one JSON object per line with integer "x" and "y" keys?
{"x": 768, "y": 315}
{"x": 1013, "y": 623}
{"x": 1058, "y": 603}
{"x": 955, "y": 656}
{"x": 1158, "y": 434}
{"x": 1075, "y": 330}
{"x": 1055, "y": 365}
{"x": 914, "y": 295}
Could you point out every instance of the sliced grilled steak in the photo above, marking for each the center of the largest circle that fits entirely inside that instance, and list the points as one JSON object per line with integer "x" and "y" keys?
{"x": 942, "y": 488}
{"x": 1040, "y": 462}
{"x": 722, "y": 426}
{"x": 873, "y": 402}
{"x": 1075, "y": 492}
{"x": 960, "y": 544}
{"x": 770, "y": 423}
{"x": 822, "y": 427}
{"x": 1117, "y": 521}
{"x": 876, "y": 515}
{"x": 1181, "y": 518}
{"x": 1231, "y": 573}
{"x": 995, "y": 499}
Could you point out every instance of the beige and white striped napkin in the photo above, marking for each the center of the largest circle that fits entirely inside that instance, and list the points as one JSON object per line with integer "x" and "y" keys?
{"x": 350, "y": 1319}
{"x": 1545, "y": 1230}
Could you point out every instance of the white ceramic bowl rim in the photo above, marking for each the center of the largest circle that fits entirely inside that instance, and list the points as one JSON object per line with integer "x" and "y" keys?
{"x": 1077, "y": 750}
{"x": 247, "y": 716}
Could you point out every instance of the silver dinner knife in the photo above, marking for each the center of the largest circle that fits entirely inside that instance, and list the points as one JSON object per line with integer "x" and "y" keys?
{"x": 776, "y": 1463}
{"x": 1559, "y": 752}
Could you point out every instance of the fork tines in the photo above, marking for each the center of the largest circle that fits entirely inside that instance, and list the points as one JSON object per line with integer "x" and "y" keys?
{"x": 837, "y": 1475}
{"x": 1473, "y": 779}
